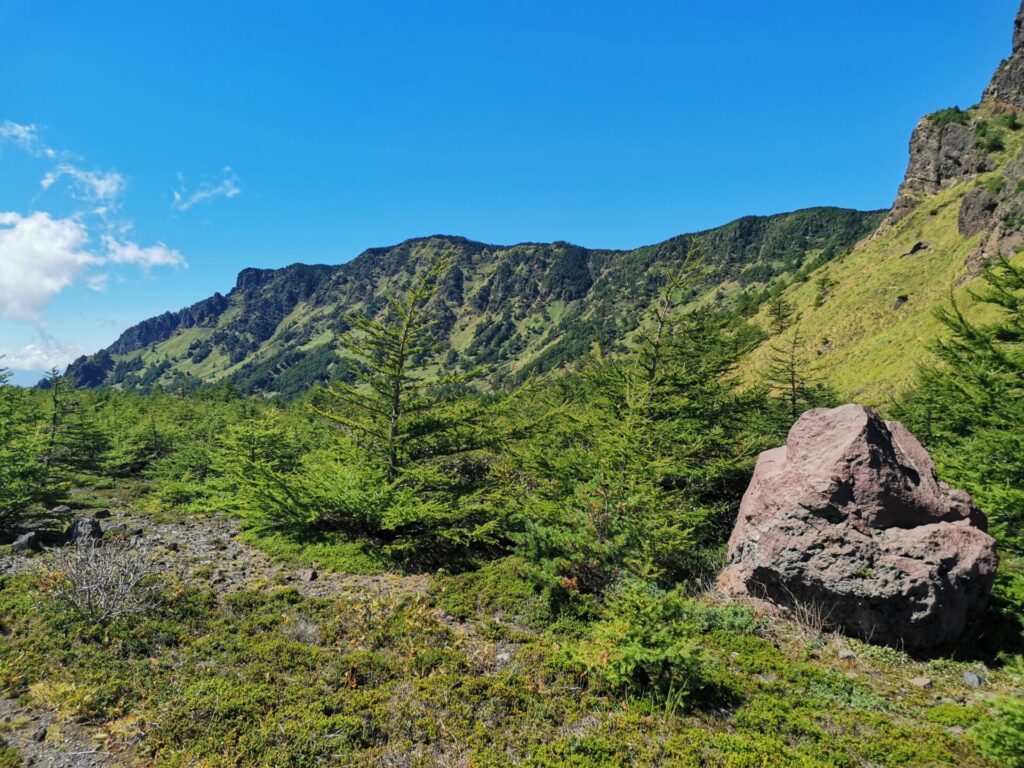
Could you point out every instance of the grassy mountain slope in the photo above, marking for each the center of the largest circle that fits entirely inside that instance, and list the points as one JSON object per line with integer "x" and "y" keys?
{"x": 867, "y": 318}
{"x": 515, "y": 310}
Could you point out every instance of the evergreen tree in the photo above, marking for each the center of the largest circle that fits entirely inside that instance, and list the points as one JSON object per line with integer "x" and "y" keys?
{"x": 780, "y": 314}
{"x": 636, "y": 470}
{"x": 968, "y": 405}
{"x": 395, "y": 409}
{"x": 21, "y": 473}
{"x": 405, "y": 429}
{"x": 792, "y": 380}
{"x": 75, "y": 442}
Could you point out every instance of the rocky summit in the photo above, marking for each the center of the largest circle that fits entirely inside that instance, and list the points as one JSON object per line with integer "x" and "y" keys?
{"x": 849, "y": 521}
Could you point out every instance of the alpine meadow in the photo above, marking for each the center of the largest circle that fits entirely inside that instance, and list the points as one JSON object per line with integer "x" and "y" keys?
{"x": 749, "y": 496}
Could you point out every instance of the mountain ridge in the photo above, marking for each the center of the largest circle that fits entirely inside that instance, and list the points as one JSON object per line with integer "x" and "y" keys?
{"x": 863, "y": 285}
{"x": 506, "y": 284}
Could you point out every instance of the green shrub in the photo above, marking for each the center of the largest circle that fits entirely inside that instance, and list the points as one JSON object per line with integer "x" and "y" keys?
{"x": 1010, "y": 121}
{"x": 650, "y": 643}
{"x": 1002, "y": 735}
{"x": 949, "y": 116}
{"x": 988, "y": 137}
{"x": 9, "y": 757}
{"x": 505, "y": 589}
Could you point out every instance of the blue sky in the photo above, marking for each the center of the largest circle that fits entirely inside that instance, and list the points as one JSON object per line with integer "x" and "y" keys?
{"x": 149, "y": 151}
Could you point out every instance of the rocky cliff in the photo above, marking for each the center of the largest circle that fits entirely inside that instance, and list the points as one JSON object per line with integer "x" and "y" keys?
{"x": 955, "y": 146}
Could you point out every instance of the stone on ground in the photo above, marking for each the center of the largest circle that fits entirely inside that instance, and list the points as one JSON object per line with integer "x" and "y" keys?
{"x": 848, "y": 519}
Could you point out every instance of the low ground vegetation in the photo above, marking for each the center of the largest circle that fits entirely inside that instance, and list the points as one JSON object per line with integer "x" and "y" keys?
{"x": 568, "y": 528}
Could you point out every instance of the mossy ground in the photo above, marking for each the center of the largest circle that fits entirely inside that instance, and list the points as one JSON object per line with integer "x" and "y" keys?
{"x": 472, "y": 673}
{"x": 331, "y": 552}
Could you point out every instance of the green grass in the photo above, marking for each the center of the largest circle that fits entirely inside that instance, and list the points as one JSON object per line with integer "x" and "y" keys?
{"x": 9, "y": 756}
{"x": 873, "y": 346}
{"x": 329, "y": 552}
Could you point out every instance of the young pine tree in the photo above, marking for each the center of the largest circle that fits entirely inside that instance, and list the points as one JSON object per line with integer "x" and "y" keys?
{"x": 792, "y": 379}
{"x": 417, "y": 433}
{"x": 968, "y": 405}
{"x": 640, "y": 460}
{"x": 74, "y": 441}
{"x": 22, "y": 475}
{"x": 780, "y": 314}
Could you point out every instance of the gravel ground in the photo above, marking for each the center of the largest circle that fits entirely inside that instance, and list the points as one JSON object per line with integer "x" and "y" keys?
{"x": 203, "y": 551}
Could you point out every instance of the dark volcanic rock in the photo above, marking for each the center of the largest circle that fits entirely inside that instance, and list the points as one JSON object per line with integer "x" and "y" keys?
{"x": 82, "y": 530}
{"x": 849, "y": 517}
{"x": 976, "y": 212}
{"x": 26, "y": 542}
{"x": 916, "y": 248}
{"x": 940, "y": 155}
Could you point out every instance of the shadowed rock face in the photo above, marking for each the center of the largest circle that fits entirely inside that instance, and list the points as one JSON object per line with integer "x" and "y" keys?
{"x": 850, "y": 517}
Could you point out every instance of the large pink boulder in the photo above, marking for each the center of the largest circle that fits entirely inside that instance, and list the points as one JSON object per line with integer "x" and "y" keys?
{"x": 849, "y": 519}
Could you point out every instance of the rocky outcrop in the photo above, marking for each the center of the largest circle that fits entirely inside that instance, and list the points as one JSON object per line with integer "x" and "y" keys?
{"x": 996, "y": 213}
{"x": 849, "y": 517}
{"x": 1007, "y": 86}
{"x": 976, "y": 212}
{"x": 162, "y": 327}
{"x": 949, "y": 147}
{"x": 941, "y": 154}
{"x": 84, "y": 530}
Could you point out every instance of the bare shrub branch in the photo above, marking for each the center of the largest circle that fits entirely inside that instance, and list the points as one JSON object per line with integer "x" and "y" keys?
{"x": 103, "y": 583}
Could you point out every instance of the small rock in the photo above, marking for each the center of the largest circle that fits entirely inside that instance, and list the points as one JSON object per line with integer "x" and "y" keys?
{"x": 60, "y": 511}
{"x": 846, "y": 653}
{"x": 916, "y": 248}
{"x": 39, "y": 735}
{"x": 83, "y": 529}
{"x": 26, "y": 542}
{"x": 956, "y": 730}
{"x": 307, "y": 574}
{"x": 101, "y": 514}
{"x": 974, "y": 680}
{"x": 504, "y": 657}
{"x": 921, "y": 682}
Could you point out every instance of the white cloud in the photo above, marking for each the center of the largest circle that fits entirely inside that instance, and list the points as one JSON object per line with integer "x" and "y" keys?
{"x": 39, "y": 257}
{"x": 41, "y": 254}
{"x": 39, "y": 357}
{"x": 101, "y": 187}
{"x": 207, "y": 191}
{"x": 25, "y": 137}
{"x": 158, "y": 255}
